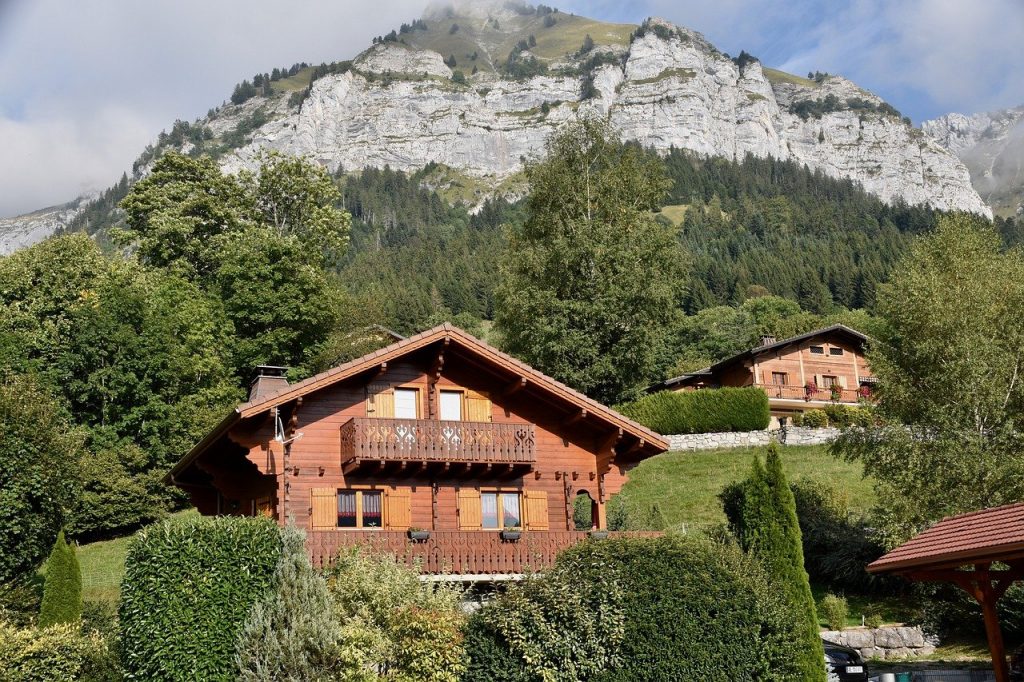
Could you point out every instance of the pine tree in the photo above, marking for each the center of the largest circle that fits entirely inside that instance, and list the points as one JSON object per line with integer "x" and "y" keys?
{"x": 62, "y": 591}
{"x": 292, "y": 634}
{"x": 769, "y": 530}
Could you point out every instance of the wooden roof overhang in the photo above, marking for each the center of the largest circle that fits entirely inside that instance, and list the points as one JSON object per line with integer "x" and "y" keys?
{"x": 625, "y": 437}
{"x": 981, "y": 552}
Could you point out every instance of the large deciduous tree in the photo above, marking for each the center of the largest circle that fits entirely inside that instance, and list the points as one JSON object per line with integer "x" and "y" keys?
{"x": 38, "y": 480}
{"x": 591, "y": 282}
{"x": 949, "y": 361}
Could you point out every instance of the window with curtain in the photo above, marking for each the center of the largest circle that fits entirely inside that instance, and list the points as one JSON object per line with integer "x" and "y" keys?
{"x": 511, "y": 518}
{"x": 373, "y": 516}
{"x": 489, "y": 510}
{"x": 347, "y": 509}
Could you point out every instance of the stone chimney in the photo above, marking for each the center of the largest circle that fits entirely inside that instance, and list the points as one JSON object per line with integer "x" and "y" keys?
{"x": 766, "y": 340}
{"x": 267, "y": 379}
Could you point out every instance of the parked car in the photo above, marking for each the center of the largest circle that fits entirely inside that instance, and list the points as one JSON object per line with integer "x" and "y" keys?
{"x": 846, "y": 663}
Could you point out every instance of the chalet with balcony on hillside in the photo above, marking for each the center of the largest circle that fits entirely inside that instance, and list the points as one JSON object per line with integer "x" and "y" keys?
{"x": 800, "y": 373}
{"x": 438, "y": 448}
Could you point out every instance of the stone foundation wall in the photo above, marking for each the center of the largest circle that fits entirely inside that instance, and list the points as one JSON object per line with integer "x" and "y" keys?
{"x": 792, "y": 435}
{"x": 884, "y": 643}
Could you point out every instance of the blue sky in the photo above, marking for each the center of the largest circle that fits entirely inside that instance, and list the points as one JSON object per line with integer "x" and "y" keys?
{"x": 84, "y": 86}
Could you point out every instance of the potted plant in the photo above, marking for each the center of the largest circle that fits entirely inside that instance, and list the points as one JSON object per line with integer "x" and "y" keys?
{"x": 511, "y": 534}
{"x": 837, "y": 393}
{"x": 809, "y": 390}
{"x": 419, "y": 535}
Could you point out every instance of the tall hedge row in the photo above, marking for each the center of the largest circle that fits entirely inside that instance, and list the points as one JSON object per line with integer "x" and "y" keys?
{"x": 188, "y": 587}
{"x": 690, "y": 609}
{"x": 709, "y": 410}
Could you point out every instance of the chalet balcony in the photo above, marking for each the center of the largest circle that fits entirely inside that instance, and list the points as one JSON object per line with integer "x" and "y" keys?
{"x": 801, "y": 393}
{"x": 369, "y": 440}
{"x": 453, "y": 552}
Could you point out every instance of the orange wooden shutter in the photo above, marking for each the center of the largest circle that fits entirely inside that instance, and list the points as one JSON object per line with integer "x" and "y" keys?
{"x": 380, "y": 401}
{"x": 536, "y": 510}
{"x": 398, "y": 509}
{"x": 324, "y": 502}
{"x": 469, "y": 509}
{"x": 478, "y": 407}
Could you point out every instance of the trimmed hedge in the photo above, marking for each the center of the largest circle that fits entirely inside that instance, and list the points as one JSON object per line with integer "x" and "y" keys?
{"x": 188, "y": 587}
{"x": 708, "y": 410}
{"x": 694, "y": 609}
{"x": 60, "y": 652}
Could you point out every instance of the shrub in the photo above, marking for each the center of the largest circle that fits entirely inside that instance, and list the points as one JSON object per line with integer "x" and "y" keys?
{"x": 394, "y": 623}
{"x": 815, "y": 419}
{"x": 59, "y": 652}
{"x": 703, "y": 411}
{"x": 766, "y": 526}
{"x": 873, "y": 618}
{"x": 20, "y": 599}
{"x": 834, "y": 610}
{"x": 694, "y": 610}
{"x": 838, "y": 415}
{"x": 291, "y": 633}
{"x": 554, "y": 628}
{"x": 62, "y": 591}
{"x": 38, "y": 482}
{"x": 189, "y": 584}
{"x": 488, "y": 655}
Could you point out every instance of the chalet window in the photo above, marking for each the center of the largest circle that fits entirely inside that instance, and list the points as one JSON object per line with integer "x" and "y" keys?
{"x": 828, "y": 381}
{"x": 780, "y": 378}
{"x": 835, "y": 351}
{"x": 451, "y": 406}
{"x": 360, "y": 509}
{"x": 406, "y": 400}
{"x": 500, "y": 510}
{"x": 817, "y": 350}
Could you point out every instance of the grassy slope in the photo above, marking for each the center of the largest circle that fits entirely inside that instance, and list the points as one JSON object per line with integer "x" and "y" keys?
{"x": 685, "y": 485}
{"x": 102, "y": 566}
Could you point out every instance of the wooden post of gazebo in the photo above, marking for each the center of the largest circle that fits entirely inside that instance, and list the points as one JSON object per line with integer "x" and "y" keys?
{"x": 961, "y": 550}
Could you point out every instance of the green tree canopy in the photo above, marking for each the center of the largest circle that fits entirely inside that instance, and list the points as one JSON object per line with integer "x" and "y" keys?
{"x": 948, "y": 360}
{"x": 39, "y": 452}
{"x": 591, "y": 282}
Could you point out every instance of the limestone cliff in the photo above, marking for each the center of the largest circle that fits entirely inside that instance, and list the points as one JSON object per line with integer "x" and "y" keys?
{"x": 401, "y": 103}
{"x": 991, "y": 145}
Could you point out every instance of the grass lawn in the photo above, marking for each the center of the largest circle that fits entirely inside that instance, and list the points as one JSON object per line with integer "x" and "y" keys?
{"x": 685, "y": 485}
{"x": 102, "y": 566}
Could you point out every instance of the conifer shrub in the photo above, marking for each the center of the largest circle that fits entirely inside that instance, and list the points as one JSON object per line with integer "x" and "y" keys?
{"x": 291, "y": 632}
{"x": 709, "y": 410}
{"x": 762, "y": 514}
{"x": 62, "y": 591}
{"x": 188, "y": 586}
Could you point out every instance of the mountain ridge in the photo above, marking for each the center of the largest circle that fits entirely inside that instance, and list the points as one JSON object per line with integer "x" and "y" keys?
{"x": 479, "y": 114}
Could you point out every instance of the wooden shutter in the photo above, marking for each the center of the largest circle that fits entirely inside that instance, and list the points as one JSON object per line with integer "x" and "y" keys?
{"x": 818, "y": 381}
{"x": 470, "y": 511}
{"x": 380, "y": 401}
{"x": 478, "y": 407}
{"x": 324, "y": 503}
{"x": 842, "y": 381}
{"x": 397, "y": 509}
{"x": 536, "y": 509}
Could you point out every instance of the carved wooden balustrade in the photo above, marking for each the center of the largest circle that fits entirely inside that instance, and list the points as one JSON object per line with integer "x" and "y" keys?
{"x": 453, "y": 552}
{"x": 789, "y": 392}
{"x": 369, "y": 439}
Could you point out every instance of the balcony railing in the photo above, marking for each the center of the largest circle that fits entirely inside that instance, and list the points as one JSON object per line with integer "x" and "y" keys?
{"x": 846, "y": 395}
{"x": 430, "y": 440}
{"x": 453, "y": 552}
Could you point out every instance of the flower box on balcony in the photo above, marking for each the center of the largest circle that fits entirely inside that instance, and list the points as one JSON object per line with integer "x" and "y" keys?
{"x": 417, "y": 535}
{"x": 511, "y": 535}
{"x": 599, "y": 534}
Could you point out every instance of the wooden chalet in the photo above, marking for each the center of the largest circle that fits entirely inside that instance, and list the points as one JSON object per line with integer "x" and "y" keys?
{"x": 438, "y": 448}
{"x": 800, "y": 373}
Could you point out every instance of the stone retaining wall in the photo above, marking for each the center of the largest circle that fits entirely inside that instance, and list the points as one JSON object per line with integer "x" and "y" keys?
{"x": 884, "y": 643}
{"x": 792, "y": 435}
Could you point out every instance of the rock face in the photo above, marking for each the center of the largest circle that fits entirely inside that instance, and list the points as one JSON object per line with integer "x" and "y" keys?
{"x": 668, "y": 87}
{"x": 25, "y": 230}
{"x": 398, "y": 107}
{"x": 992, "y": 147}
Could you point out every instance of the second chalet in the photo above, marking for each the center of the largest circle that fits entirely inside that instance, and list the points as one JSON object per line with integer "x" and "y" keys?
{"x": 799, "y": 373}
{"x": 438, "y": 448}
